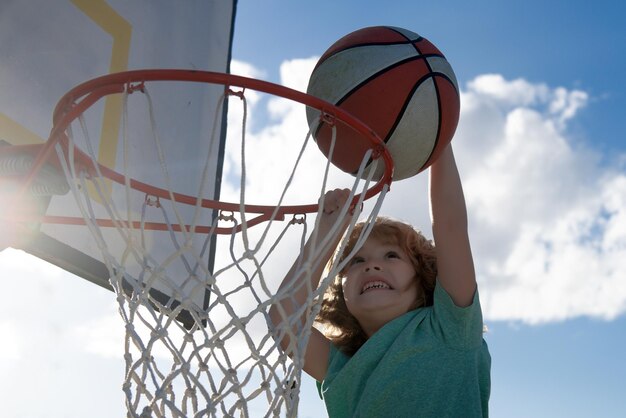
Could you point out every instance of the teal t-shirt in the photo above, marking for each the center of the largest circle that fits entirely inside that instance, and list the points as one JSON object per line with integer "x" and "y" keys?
{"x": 430, "y": 362}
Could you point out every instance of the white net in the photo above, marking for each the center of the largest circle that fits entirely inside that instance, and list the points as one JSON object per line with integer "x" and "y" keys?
{"x": 198, "y": 339}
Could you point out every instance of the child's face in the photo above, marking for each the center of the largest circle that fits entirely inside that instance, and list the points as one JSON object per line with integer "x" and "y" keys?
{"x": 380, "y": 279}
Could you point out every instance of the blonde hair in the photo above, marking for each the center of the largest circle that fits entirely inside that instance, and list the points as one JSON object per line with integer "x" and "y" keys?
{"x": 339, "y": 325}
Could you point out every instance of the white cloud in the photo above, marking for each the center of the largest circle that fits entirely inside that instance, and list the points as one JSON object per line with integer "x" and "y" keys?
{"x": 11, "y": 346}
{"x": 562, "y": 104}
{"x": 517, "y": 92}
{"x": 103, "y": 335}
{"x": 547, "y": 218}
{"x": 565, "y": 103}
{"x": 295, "y": 73}
{"x": 244, "y": 69}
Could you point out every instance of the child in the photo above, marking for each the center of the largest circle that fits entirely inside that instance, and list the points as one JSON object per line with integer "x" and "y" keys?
{"x": 403, "y": 319}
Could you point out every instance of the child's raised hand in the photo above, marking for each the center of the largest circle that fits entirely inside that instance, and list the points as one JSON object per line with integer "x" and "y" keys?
{"x": 333, "y": 202}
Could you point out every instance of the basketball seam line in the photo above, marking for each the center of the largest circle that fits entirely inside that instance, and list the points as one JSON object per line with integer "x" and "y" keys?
{"x": 372, "y": 43}
{"x": 439, "y": 121}
{"x": 385, "y": 70}
{"x": 419, "y": 38}
{"x": 409, "y": 96}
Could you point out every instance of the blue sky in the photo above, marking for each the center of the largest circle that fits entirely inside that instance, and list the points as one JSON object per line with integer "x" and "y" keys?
{"x": 559, "y": 365}
{"x": 542, "y": 151}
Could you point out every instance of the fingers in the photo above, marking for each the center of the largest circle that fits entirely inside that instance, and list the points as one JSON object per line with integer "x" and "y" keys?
{"x": 334, "y": 200}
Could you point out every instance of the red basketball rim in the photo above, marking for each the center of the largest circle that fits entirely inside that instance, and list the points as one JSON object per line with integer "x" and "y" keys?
{"x": 81, "y": 97}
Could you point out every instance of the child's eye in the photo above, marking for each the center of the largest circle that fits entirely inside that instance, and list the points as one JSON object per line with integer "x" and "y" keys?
{"x": 393, "y": 254}
{"x": 356, "y": 260}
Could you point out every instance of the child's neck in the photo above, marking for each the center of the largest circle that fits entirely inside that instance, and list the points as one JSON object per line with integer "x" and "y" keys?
{"x": 374, "y": 322}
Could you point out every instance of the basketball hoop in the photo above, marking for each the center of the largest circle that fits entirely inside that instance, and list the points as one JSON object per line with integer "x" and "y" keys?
{"x": 218, "y": 358}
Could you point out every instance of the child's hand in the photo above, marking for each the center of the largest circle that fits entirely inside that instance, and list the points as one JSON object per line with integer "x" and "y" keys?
{"x": 333, "y": 203}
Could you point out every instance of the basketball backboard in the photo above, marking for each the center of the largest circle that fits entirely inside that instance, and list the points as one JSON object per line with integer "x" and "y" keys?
{"x": 50, "y": 47}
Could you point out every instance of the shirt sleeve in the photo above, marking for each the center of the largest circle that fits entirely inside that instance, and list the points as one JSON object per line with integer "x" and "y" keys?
{"x": 460, "y": 328}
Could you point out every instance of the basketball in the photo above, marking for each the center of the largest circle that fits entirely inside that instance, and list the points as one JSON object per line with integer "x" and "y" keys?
{"x": 396, "y": 82}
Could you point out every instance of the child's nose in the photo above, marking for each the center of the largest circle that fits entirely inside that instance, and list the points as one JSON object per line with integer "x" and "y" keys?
{"x": 372, "y": 266}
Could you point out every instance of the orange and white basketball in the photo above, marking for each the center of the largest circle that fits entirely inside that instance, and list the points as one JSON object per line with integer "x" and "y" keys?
{"x": 396, "y": 82}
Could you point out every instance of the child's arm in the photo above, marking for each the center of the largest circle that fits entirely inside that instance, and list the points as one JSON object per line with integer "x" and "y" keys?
{"x": 449, "y": 218}
{"x": 318, "y": 348}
